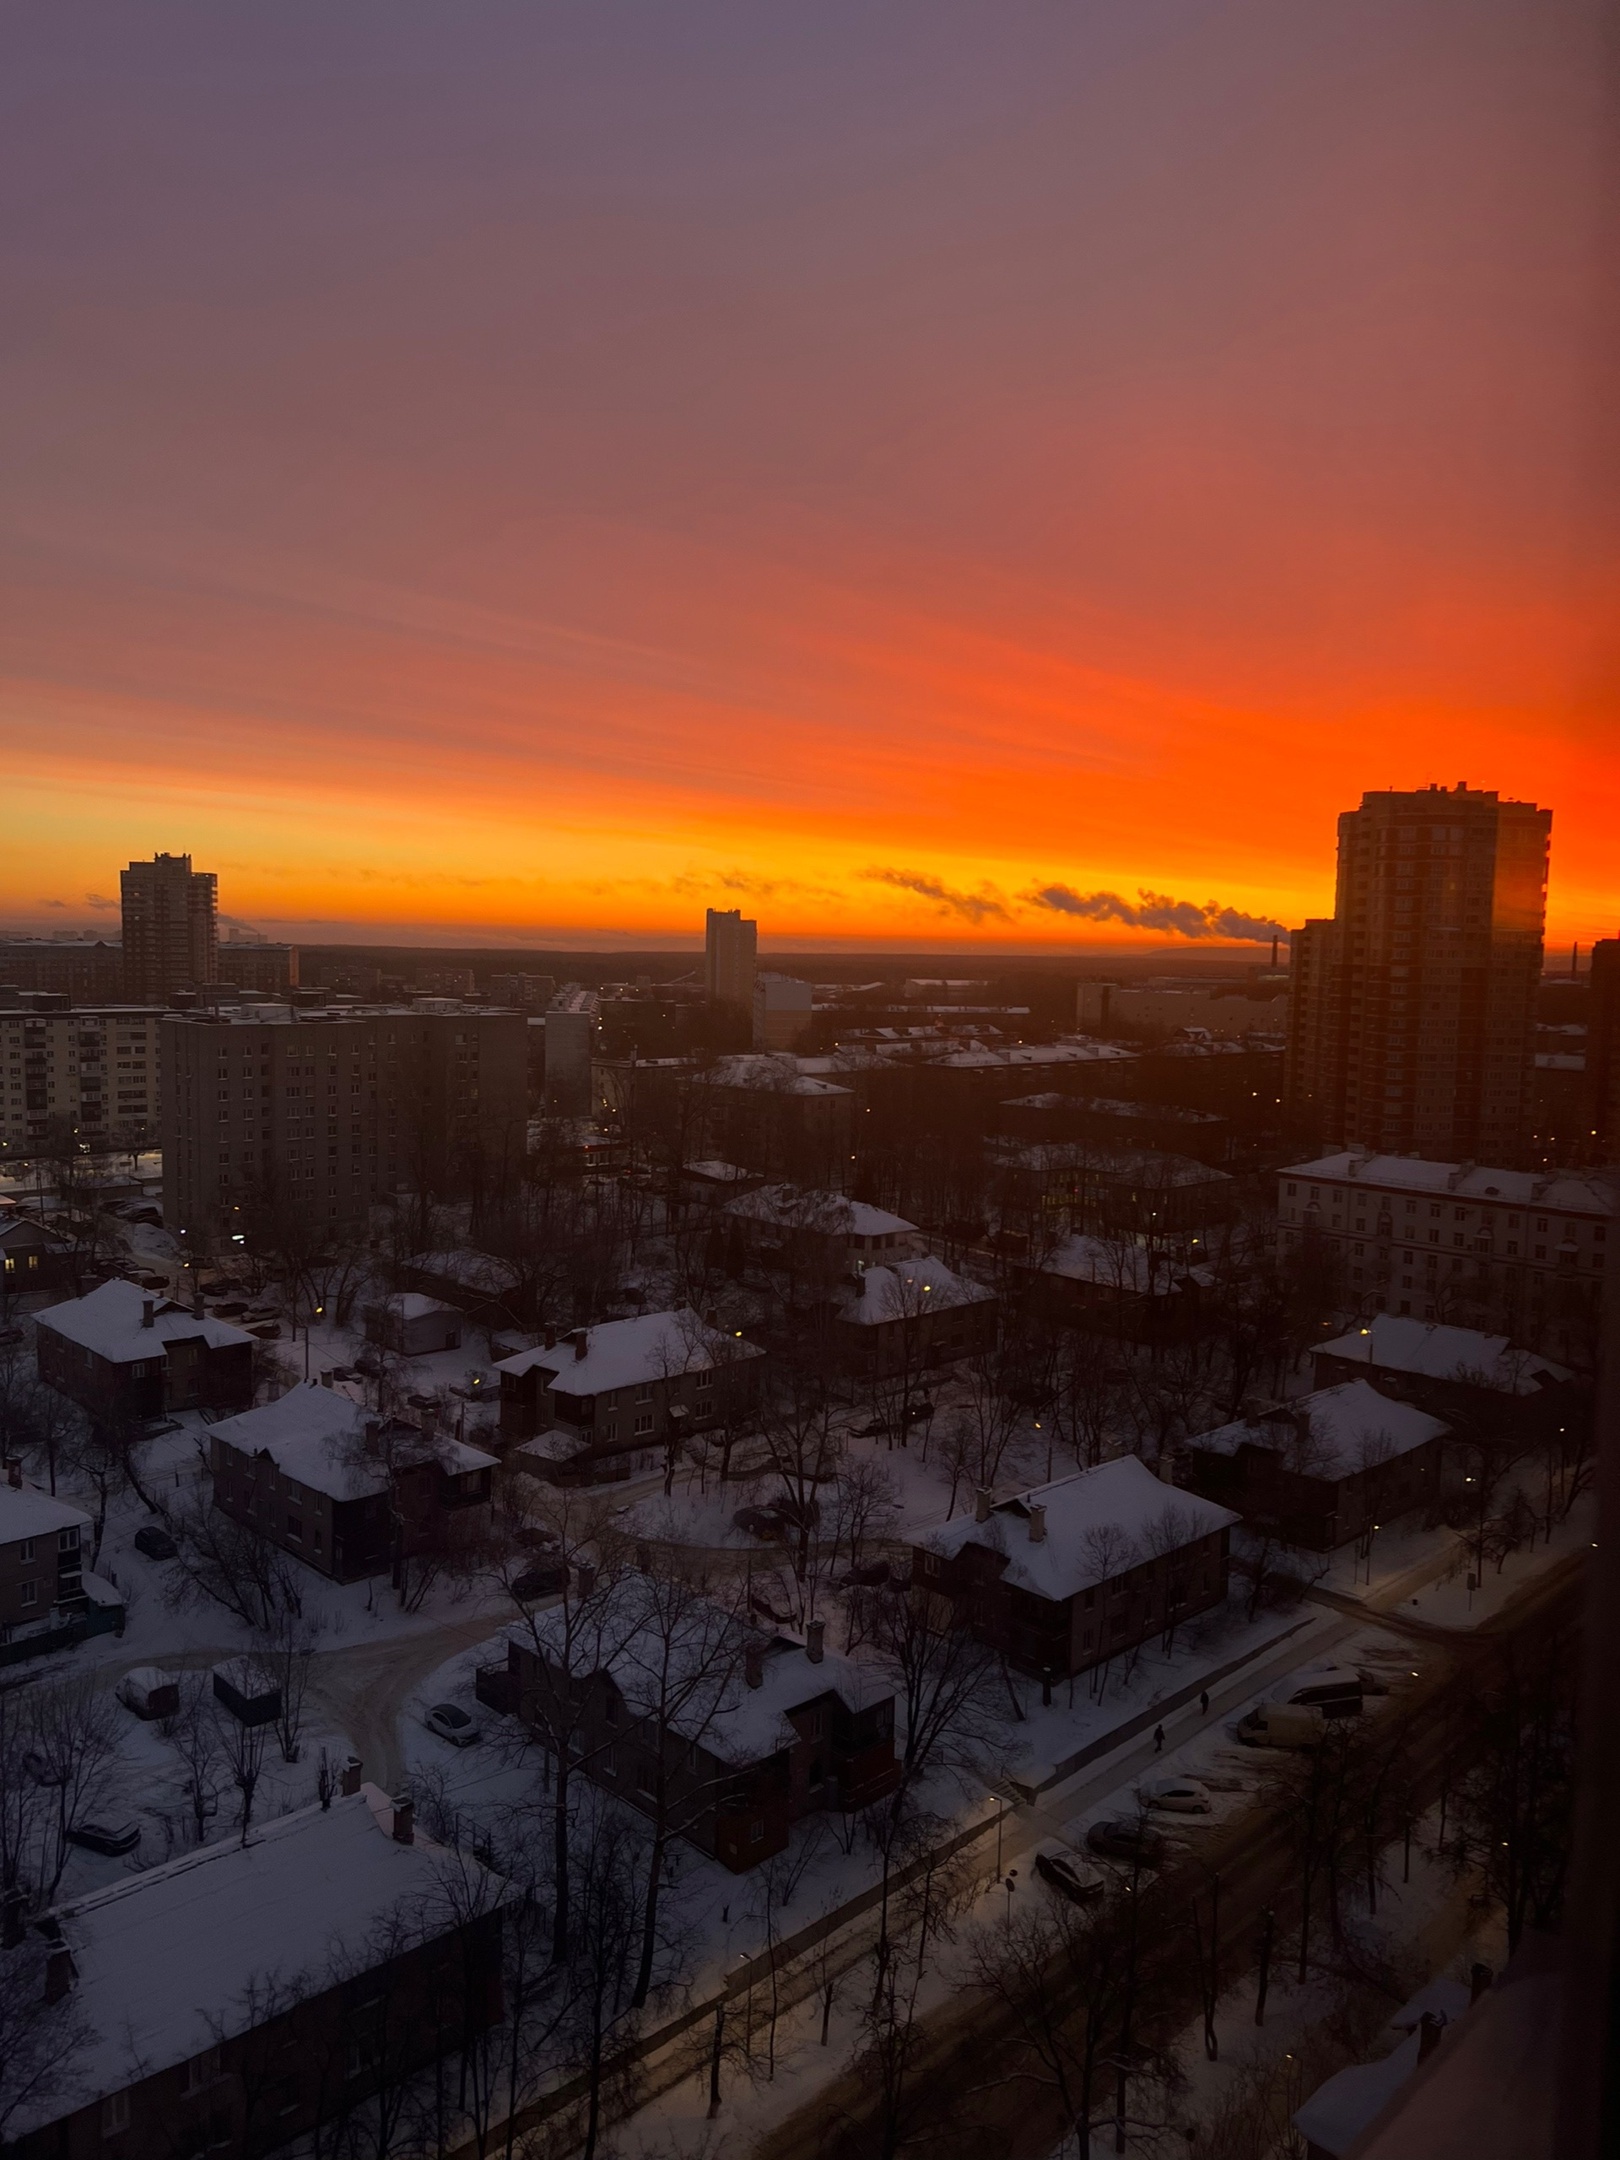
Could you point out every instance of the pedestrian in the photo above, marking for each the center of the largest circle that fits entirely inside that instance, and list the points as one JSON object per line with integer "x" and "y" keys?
{"x": 1203, "y": 1702}
{"x": 1158, "y": 1739}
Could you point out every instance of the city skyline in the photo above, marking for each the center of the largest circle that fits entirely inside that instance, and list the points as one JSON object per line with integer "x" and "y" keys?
{"x": 1010, "y": 492}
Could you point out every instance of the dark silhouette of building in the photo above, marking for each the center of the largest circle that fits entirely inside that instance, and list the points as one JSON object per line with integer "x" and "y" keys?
{"x": 171, "y": 928}
{"x": 1603, "y": 1053}
{"x": 1412, "y": 1022}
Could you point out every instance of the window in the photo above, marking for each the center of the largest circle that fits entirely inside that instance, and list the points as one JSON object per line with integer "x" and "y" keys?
{"x": 66, "y": 1541}
{"x": 25, "y": 1551}
{"x": 114, "y": 2114}
{"x": 202, "y": 2071}
{"x": 756, "y": 1832}
{"x": 644, "y": 1422}
{"x": 28, "y": 1593}
{"x": 644, "y": 1393}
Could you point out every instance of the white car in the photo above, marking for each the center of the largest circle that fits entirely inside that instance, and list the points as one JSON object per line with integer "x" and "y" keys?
{"x": 1177, "y": 1795}
{"x": 452, "y": 1724}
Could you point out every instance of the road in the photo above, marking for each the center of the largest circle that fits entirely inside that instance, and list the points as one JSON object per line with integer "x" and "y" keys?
{"x": 965, "y": 2104}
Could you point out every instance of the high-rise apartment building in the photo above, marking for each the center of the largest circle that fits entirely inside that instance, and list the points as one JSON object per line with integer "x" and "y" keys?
{"x": 1603, "y": 1055}
{"x": 1412, "y": 1020}
{"x": 93, "y": 1074}
{"x": 171, "y": 933}
{"x": 273, "y": 1113}
{"x": 730, "y": 952}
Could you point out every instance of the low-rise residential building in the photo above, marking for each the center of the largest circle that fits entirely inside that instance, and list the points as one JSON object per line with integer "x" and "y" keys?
{"x": 94, "y": 1070}
{"x": 346, "y": 1491}
{"x": 821, "y": 1233}
{"x": 1323, "y": 1469}
{"x": 1068, "y": 1575}
{"x": 413, "y": 1324}
{"x": 776, "y": 1114}
{"x": 31, "y": 1256}
{"x": 250, "y": 1993}
{"x": 1115, "y": 1286}
{"x": 126, "y": 1354}
{"x": 906, "y": 1316}
{"x": 618, "y": 1384}
{"x": 1513, "y": 1250}
{"x": 41, "y": 1556}
{"x": 765, "y": 1733}
{"x": 479, "y": 1285}
{"x": 1453, "y": 1372}
{"x": 1164, "y": 1202}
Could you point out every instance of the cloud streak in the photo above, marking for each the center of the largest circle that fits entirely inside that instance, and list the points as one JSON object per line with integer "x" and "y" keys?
{"x": 985, "y": 905}
{"x": 1157, "y": 911}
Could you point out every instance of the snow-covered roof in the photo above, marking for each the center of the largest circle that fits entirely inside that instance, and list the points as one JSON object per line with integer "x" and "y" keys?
{"x": 715, "y": 1172}
{"x": 1016, "y": 1056}
{"x": 1350, "y": 1427}
{"x": 625, "y": 1353}
{"x": 164, "y": 1958}
{"x": 1336, "y": 2114}
{"x": 833, "y": 1214}
{"x": 704, "y": 1682}
{"x": 26, "y": 1512}
{"x": 1571, "y": 1192}
{"x": 317, "y": 1437}
{"x": 416, "y": 1305}
{"x": 1117, "y": 1266}
{"x": 107, "y": 1322}
{"x": 773, "y": 1073}
{"x": 1396, "y": 1344}
{"x": 1098, "y": 1524}
{"x": 903, "y": 1289}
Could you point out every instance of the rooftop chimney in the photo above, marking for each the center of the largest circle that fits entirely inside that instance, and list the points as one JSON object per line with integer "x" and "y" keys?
{"x": 754, "y": 1664}
{"x": 196, "y": 1297}
{"x": 148, "y": 1308}
{"x": 585, "y": 1580}
{"x": 711, "y": 1316}
{"x": 1430, "y": 2029}
{"x": 60, "y": 1973}
{"x": 551, "y": 1338}
{"x": 349, "y": 1779}
{"x": 404, "y": 1819}
{"x": 14, "y": 1472}
{"x": 815, "y": 1636}
{"x": 981, "y": 1504}
{"x": 581, "y": 1341}
{"x": 1037, "y": 1526}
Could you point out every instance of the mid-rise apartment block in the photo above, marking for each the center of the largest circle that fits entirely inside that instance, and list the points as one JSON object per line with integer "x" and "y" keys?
{"x": 269, "y": 1109}
{"x": 94, "y": 1073}
{"x": 85, "y": 971}
{"x": 1458, "y": 1243}
{"x": 1412, "y": 1021}
{"x": 1603, "y": 1055}
{"x": 730, "y": 954}
{"x": 171, "y": 928}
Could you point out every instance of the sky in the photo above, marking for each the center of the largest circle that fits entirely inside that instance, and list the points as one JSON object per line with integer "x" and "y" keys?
{"x": 923, "y": 472}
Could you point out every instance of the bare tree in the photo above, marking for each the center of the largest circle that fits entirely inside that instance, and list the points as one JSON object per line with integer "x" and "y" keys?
{"x": 193, "y": 1733}
{"x": 227, "y": 1563}
{"x": 75, "y": 1744}
{"x": 284, "y": 1654}
{"x": 242, "y": 1747}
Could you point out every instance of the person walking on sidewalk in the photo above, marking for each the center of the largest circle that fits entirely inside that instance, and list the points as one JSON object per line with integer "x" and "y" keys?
{"x": 1203, "y": 1702}
{"x": 1158, "y": 1739}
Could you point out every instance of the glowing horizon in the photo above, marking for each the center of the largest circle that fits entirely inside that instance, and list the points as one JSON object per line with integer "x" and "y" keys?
{"x": 529, "y": 482}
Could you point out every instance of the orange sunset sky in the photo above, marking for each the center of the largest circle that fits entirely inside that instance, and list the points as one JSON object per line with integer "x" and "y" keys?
{"x": 524, "y": 472}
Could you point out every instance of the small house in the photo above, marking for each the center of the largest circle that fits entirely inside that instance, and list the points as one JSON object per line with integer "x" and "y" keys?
{"x": 1068, "y": 1575}
{"x": 1453, "y": 1372}
{"x": 911, "y": 1314}
{"x": 41, "y": 1557}
{"x": 1323, "y": 1469}
{"x": 127, "y": 1355}
{"x": 413, "y": 1324}
{"x": 618, "y": 1385}
{"x": 31, "y": 1256}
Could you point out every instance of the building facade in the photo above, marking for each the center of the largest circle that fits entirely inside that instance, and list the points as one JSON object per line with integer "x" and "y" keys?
{"x": 730, "y": 954}
{"x": 83, "y": 970}
{"x": 616, "y": 1385}
{"x": 94, "y": 1074}
{"x": 125, "y": 1355}
{"x": 1457, "y": 1243}
{"x": 271, "y": 1110}
{"x": 171, "y": 928}
{"x": 41, "y": 1556}
{"x": 1603, "y": 1055}
{"x": 1412, "y": 1028}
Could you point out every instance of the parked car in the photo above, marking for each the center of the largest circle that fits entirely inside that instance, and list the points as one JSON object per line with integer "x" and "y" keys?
{"x": 1282, "y": 1725}
{"x": 1334, "y": 1694}
{"x": 870, "y": 1575}
{"x": 873, "y": 1429}
{"x": 1177, "y": 1795}
{"x": 155, "y": 1543}
{"x": 452, "y": 1724}
{"x": 1123, "y": 1837}
{"x": 112, "y": 1838}
{"x": 542, "y": 1578}
{"x": 1069, "y": 1874}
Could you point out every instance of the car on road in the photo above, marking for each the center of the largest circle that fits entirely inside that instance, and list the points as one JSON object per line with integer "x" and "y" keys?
{"x": 155, "y": 1543}
{"x": 452, "y": 1723}
{"x": 1070, "y": 1874}
{"x": 111, "y": 1838}
{"x": 1282, "y": 1725}
{"x": 1177, "y": 1795}
{"x": 1124, "y": 1837}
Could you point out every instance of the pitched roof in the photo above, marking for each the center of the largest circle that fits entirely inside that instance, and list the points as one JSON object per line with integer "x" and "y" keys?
{"x": 1350, "y": 1427}
{"x": 1575, "y": 1192}
{"x": 1116, "y": 1266}
{"x": 317, "y": 1437}
{"x": 27, "y": 1512}
{"x": 903, "y": 1289}
{"x": 1123, "y": 1497}
{"x": 833, "y": 1214}
{"x": 1395, "y": 1344}
{"x": 623, "y": 1353}
{"x": 163, "y": 1958}
{"x": 107, "y": 1321}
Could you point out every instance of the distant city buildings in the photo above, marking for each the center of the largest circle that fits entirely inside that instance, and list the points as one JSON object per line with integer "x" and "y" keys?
{"x": 1412, "y": 1021}
{"x": 783, "y": 1011}
{"x": 85, "y": 1075}
{"x": 171, "y": 928}
{"x": 1603, "y": 1054}
{"x": 730, "y": 954}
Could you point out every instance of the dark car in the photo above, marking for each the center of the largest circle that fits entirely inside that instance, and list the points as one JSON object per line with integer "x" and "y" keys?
{"x": 873, "y": 1429}
{"x": 155, "y": 1543}
{"x": 111, "y": 1838}
{"x": 1122, "y": 1837}
{"x": 1070, "y": 1876}
{"x": 542, "y": 1578}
